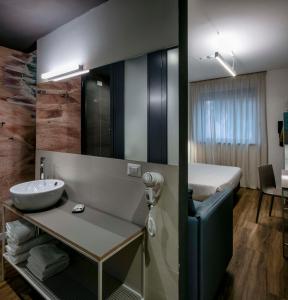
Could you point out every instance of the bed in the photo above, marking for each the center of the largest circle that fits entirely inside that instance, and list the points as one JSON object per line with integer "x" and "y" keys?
{"x": 205, "y": 179}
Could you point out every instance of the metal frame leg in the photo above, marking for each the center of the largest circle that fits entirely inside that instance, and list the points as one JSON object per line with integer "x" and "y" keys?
{"x": 3, "y": 245}
{"x": 143, "y": 266}
{"x": 100, "y": 280}
{"x": 283, "y": 225}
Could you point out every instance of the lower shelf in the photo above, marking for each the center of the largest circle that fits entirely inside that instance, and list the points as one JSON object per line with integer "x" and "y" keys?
{"x": 69, "y": 284}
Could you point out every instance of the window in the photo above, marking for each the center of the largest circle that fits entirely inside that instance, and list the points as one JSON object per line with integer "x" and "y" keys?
{"x": 227, "y": 117}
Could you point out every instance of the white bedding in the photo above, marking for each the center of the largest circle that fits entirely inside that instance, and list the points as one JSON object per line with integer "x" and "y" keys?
{"x": 205, "y": 179}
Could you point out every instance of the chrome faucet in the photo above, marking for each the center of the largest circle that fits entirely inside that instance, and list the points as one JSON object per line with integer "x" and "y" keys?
{"x": 42, "y": 172}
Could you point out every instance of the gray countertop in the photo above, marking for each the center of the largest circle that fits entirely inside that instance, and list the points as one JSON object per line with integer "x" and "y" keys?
{"x": 93, "y": 233}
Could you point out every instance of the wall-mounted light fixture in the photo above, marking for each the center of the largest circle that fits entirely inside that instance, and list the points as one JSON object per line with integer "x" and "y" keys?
{"x": 225, "y": 65}
{"x": 64, "y": 72}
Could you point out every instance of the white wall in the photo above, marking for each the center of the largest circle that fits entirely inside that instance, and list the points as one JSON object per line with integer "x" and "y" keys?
{"x": 277, "y": 103}
{"x": 136, "y": 94}
{"x": 114, "y": 31}
{"x": 173, "y": 106}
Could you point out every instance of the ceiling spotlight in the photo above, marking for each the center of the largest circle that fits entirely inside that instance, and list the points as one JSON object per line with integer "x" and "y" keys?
{"x": 225, "y": 65}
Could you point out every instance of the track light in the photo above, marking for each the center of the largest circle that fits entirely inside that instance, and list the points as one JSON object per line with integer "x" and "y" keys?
{"x": 226, "y": 66}
{"x": 64, "y": 72}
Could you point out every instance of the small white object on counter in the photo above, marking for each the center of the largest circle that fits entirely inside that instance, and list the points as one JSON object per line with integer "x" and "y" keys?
{"x": 78, "y": 208}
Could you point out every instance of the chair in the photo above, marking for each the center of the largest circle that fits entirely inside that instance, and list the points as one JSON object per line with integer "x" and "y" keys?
{"x": 267, "y": 187}
{"x": 210, "y": 243}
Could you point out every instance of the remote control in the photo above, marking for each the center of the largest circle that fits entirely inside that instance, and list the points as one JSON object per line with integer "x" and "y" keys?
{"x": 78, "y": 208}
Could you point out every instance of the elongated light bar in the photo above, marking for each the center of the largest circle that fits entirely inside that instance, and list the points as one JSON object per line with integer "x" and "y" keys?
{"x": 71, "y": 75}
{"x": 224, "y": 64}
{"x": 60, "y": 71}
{"x": 64, "y": 72}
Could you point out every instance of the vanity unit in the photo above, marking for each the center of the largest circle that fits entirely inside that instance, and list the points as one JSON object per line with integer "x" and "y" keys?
{"x": 93, "y": 238}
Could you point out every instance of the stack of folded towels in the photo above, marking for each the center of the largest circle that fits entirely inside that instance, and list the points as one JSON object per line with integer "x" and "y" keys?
{"x": 19, "y": 236}
{"x": 47, "y": 260}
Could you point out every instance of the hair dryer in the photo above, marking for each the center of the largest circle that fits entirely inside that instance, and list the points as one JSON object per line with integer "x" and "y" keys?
{"x": 153, "y": 182}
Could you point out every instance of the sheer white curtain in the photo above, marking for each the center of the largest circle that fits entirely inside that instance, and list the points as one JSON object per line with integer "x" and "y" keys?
{"x": 227, "y": 124}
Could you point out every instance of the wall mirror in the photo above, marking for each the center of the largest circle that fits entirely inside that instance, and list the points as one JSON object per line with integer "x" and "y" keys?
{"x": 126, "y": 110}
{"x": 126, "y": 107}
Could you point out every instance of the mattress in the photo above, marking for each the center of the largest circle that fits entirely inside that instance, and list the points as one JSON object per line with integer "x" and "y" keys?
{"x": 205, "y": 179}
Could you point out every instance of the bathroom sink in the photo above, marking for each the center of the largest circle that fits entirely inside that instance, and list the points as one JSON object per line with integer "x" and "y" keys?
{"x": 37, "y": 194}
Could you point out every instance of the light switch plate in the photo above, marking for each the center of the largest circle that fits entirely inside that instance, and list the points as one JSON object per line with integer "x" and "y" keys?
{"x": 134, "y": 170}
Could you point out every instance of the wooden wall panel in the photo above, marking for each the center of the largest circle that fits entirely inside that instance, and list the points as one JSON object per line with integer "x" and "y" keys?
{"x": 59, "y": 116}
{"x": 17, "y": 118}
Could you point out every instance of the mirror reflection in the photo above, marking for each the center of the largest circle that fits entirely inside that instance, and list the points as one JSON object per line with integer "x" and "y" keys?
{"x": 126, "y": 110}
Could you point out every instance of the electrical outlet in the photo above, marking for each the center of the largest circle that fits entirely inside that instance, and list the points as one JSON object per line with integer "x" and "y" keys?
{"x": 134, "y": 170}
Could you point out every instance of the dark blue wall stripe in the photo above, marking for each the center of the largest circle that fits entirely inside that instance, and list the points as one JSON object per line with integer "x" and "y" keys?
{"x": 117, "y": 109}
{"x": 157, "y": 107}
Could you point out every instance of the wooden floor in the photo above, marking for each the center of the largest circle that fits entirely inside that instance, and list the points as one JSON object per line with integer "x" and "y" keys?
{"x": 257, "y": 270}
{"x": 15, "y": 287}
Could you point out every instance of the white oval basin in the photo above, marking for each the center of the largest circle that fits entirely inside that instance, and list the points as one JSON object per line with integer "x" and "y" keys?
{"x": 37, "y": 194}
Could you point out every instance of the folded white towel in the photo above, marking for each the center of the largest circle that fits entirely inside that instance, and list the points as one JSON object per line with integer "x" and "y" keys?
{"x": 46, "y": 255}
{"x": 14, "y": 248}
{"x": 42, "y": 269}
{"x": 20, "y": 231}
{"x": 51, "y": 271}
{"x": 17, "y": 259}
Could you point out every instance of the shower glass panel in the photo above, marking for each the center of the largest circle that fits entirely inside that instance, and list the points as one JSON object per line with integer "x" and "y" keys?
{"x": 97, "y": 139}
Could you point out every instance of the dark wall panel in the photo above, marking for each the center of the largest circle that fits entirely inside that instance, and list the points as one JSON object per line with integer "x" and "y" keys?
{"x": 107, "y": 139}
{"x": 157, "y": 107}
{"x": 117, "y": 108}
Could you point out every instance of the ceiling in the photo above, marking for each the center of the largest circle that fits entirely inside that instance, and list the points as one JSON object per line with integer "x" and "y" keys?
{"x": 255, "y": 30}
{"x": 22, "y": 22}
